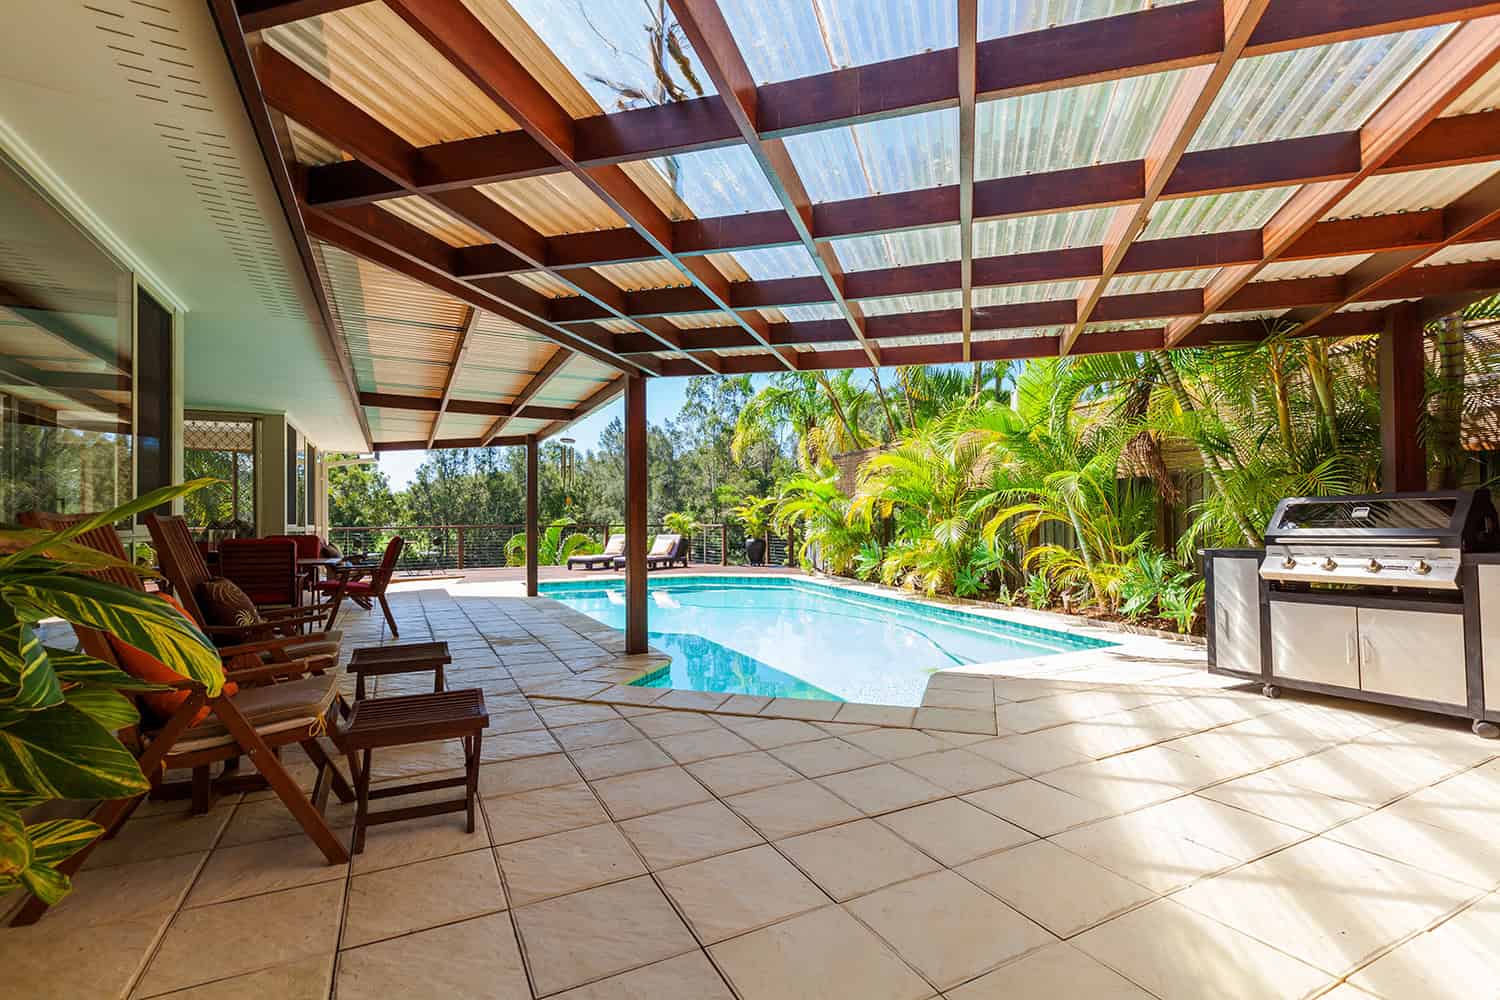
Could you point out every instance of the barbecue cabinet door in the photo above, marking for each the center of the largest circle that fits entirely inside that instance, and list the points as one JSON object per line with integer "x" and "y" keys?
{"x": 1415, "y": 654}
{"x": 1315, "y": 642}
{"x": 1236, "y": 614}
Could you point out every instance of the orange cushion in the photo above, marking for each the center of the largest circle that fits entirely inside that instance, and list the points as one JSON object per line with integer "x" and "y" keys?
{"x": 142, "y": 665}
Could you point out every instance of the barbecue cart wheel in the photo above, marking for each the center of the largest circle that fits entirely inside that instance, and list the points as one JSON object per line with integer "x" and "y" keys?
{"x": 1486, "y": 730}
{"x": 1271, "y": 691}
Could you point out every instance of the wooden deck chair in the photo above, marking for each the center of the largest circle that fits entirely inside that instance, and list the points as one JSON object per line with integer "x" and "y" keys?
{"x": 281, "y": 702}
{"x": 373, "y": 589}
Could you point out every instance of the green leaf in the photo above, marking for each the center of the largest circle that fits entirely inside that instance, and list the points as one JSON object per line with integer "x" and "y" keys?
{"x": 62, "y": 753}
{"x": 56, "y": 840}
{"x": 15, "y": 845}
{"x": 46, "y": 883}
{"x": 104, "y": 705}
{"x": 55, "y": 555}
{"x": 11, "y": 798}
{"x": 141, "y": 503}
{"x": 81, "y": 668}
{"x": 143, "y": 621}
{"x": 27, "y": 681}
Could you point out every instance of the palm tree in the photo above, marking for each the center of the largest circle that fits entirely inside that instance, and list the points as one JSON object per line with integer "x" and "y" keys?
{"x": 816, "y": 505}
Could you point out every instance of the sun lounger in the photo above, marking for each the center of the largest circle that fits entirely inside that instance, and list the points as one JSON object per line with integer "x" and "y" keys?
{"x": 613, "y": 549}
{"x": 665, "y": 550}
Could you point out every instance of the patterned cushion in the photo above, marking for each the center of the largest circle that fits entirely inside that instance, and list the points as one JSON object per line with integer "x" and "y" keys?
{"x": 226, "y": 605}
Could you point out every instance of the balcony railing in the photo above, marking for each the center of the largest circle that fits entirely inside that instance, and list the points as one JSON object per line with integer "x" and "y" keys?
{"x": 437, "y": 548}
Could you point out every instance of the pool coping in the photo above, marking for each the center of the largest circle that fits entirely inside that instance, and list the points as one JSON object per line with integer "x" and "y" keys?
{"x": 613, "y": 684}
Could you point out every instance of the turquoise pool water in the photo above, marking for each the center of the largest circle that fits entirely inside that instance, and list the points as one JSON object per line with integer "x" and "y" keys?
{"x": 791, "y": 638}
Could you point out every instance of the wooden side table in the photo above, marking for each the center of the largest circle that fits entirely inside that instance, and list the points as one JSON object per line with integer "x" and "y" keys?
{"x": 416, "y": 718}
{"x": 399, "y": 658}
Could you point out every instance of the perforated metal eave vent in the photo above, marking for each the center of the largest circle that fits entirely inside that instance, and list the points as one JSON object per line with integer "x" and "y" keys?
{"x": 157, "y": 64}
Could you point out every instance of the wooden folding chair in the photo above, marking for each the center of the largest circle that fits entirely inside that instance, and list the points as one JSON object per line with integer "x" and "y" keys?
{"x": 281, "y": 702}
{"x": 366, "y": 591}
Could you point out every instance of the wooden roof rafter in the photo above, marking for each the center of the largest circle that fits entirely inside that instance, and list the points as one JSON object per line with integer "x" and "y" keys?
{"x": 460, "y": 355}
{"x": 968, "y": 83}
{"x": 534, "y": 385}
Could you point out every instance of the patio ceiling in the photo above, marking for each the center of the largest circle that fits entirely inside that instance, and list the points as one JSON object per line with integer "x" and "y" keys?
{"x": 509, "y": 203}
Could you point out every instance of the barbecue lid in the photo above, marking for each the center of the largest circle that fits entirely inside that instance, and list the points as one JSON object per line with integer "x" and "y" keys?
{"x": 1451, "y": 518}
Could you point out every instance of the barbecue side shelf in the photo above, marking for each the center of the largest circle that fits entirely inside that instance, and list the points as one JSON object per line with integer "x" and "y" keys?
{"x": 1437, "y": 652}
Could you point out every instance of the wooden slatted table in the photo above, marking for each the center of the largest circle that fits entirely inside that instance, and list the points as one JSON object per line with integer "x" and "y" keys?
{"x": 398, "y": 658}
{"x": 416, "y": 718}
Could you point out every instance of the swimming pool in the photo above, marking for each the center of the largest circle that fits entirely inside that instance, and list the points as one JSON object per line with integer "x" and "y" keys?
{"x": 784, "y": 637}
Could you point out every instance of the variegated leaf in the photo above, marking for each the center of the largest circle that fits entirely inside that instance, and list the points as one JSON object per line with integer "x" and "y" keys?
{"x": 75, "y": 667}
{"x": 104, "y": 705}
{"x": 56, "y": 840}
{"x": 46, "y": 883}
{"x": 62, "y": 753}
{"x": 27, "y": 681}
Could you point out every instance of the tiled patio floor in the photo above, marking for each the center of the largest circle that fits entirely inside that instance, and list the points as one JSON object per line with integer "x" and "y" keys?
{"x": 1134, "y": 828}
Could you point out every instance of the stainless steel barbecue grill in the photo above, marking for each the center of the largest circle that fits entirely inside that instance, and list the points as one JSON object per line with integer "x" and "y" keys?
{"x": 1392, "y": 598}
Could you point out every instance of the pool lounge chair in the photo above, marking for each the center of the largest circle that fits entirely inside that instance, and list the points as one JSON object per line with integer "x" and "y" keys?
{"x": 665, "y": 550}
{"x": 613, "y": 549}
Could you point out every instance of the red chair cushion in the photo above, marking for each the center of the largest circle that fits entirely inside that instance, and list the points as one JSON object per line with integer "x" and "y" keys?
{"x": 358, "y": 587}
{"x": 308, "y": 546}
{"x": 140, "y": 664}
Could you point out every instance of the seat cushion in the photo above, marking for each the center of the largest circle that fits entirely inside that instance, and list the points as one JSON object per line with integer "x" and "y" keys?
{"x": 270, "y": 704}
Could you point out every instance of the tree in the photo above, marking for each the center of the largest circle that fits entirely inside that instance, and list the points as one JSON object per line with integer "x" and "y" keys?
{"x": 360, "y": 495}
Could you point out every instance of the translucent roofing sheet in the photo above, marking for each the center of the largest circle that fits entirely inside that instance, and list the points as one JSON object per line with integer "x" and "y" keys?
{"x": 771, "y": 263}
{"x": 1463, "y": 253}
{"x": 1412, "y": 190}
{"x": 784, "y": 39}
{"x": 897, "y": 304}
{"x": 710, "y": 182}
{"x": 1327, "y": 88}
{"x": 554, "y": 204}
{"x": 701, "y": 320}
{"x": 1014, "y": 17}
{"x": 641, "y": 275}
{"x": 1130, "y": 284}
{"x": 1016, "y": 334}
{"x": 1009, "y": 295}
{"x": 904, "y": 153}
{"x": 548, "y": 284}
{"x": 811, "y": 314}
{"x": 1215, "y": 213}
{"x": 1484, "y": 95}
{"x": 904, "y": 249}
{"x": 1030, "y": 234}
{"x": 625, "y": 54}
{"x": 1075, "y": 127}
{"x": 433, "y": 220}
{"x": 1319, "y": 268}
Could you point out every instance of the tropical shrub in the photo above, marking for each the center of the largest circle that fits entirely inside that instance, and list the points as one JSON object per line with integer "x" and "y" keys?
{"x": 754, "y": 514}
{"x": 682, "y": 524}
{"x": 554, "y": 545}
{"x": 821, "y": 512}
{"x": 60, "y": 709}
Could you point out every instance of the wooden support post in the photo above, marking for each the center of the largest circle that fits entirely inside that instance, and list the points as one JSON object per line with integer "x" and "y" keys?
{"x": 1403, "y": 463}
{"x": 531, "y": 515}
{"x": 723, "y": 545}
{"x": 635, "y": 515}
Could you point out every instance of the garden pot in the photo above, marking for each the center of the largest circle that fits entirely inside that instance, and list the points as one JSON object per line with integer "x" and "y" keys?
{"x": 755, "y": 551}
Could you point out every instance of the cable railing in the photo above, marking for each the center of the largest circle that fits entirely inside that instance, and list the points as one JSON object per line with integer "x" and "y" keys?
{"x": 443, "y": 548}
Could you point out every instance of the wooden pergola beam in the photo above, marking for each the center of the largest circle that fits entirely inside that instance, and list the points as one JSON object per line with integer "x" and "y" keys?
{"x": 1194, "y": 95}
{"x": 455, "y": 365}
{"x": 475, "y": 407}
{"x": 257, "y": 15}
{"x": 968, "y": 82}
{"x": 1462, "y": 58}
{"x": 441, "y": 444}
{"x": 714, "y": 44}
{"x": 607, "y": 394}
{"x": 536, "y": 384}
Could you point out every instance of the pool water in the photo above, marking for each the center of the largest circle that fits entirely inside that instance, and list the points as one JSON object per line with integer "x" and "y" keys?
{"x": 782, "y": 637}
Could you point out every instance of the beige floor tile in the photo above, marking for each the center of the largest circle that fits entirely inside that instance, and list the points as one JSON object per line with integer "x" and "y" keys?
{"x": 661, "y": 724}
{"x": 855, "y": 858}
{"x": 1143, "y": 852}
{"x": 640, "y": 792}
{"x": 767, "y": 734}
{"x": 786, "y": 810}
{"x": 525, "y": 774}
{"x": 875, "y": 715}
{"x": 825, "y": 756}
{"x": 1368, "y": 775}
{"x": 958, "y": 720}
{"x": 308, "y": 979}
{"x": 688, "y": 833}
{"x": 1136, "y": 779}
{"x": 946, "y": 928}
{"x": 1058, "y": 970}
{"x": 513, "y": 722}
{"x": 576, "y": 939}
{"x": 1062, "y": 891}
{"x": 1444, "y": 963}
{"x": 1032, "y": 753}
{"x": 687, "y": 748}
{"x": 557, "y": 714}
{"x": 1463, "y": 857}
{"x": 1177, "y": 954}
{"x": 881, "y": 788}
{"x": 392, "y": 844}
{"x": 1235, "y": 832}
{"x": 1038, "y": 807}
{"x": 698, "y": 701}
{"x": 1031, "y": 716}
{"x": 566, "y": 862}
{"x": 1265, "y": 795}
{"x": 201, "y": 945}
{"x": 264, "y": 866}
{"x": 810, "y": 709}
{"x": 1328, "y": 904}
{"x": 1465, "y": 803}
{"x": 396, "y": 901}
{"x": 42, "y": 962}
{"x": 686, "y": 977}
{"x": 895, "y": 744}
{"x": 734, "y": 893}
{"x": 153, "y": 888}
{"x": 953, "y": 831}
{"x": 473, "y": 959}
{"x": 973, "y": 699}
{"x": 959, "y": 771}
{"x": 817, "y": 956}
{"x": 151, "y": 837}
{"x": 511, "y": 746}
{"x": 744, "y": 704}
{"x": 595, "y": 734}
{"x": 626, "y": 694}
{"x": 542, "y": 811}
{"x": 619, "y": 758}
{"x": 270, "y": 819}
{"x": 745, "y": 772}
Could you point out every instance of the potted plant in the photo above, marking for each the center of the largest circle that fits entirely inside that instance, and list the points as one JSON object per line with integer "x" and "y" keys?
{"x": 60, "y": 709}
{"x": 754, "y": 513}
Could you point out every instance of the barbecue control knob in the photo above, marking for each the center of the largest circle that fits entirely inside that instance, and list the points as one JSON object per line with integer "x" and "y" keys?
{"x": 1421, "y": 568}
{"x": 1329, "y": 564}
{"x": 1288, "y": 562}
{"x": 1373, "y": 565}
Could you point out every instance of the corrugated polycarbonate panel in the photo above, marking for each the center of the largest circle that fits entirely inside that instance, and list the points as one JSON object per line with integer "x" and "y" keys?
{"x": 771, "y": 263}
{"x": 554, "y": 204}
{"x": 921, "y": 340}
{"x": 811, "y": 314}
{"x": 1484, "y": 95}
{"x": 1033, "y": 233}
{"x": 1372, "y": 306}
{"x": 521, "y": 425}
{"x": 641, "y": 275}
{"x": 700, "y": 321}
{"x": 904, "y": 249}
{"x": 462, "y": 425}
{"x": 998, "y": 18}
{"x": 1075, "y": 127}
{"x": 617, "y": 325}
{"x": 1165, "y": 281}
{"x": 549, "y": 285}
{"x": 1016, "y": 334}
{"x": 370, "y": 56}
{"x": 784, "y": 39}
{"x": 311, "y": 148}
{"x": 625, "y": 54}
{"x": 1412, "y": 190}
{"x": 897, "y": 304}
{"x": 713, "y": 182}
{"x": 1318, "y": 268}
{"x": 907, "y": 153}
{"x": 1464, "y": 253}
{"x": 433, "y": 220}
{"x": 1009, "y": 295}
{"x": 1327, "y": 88}
{"x": 1254, "y": 314}
{"x": 1214, "y": 213}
